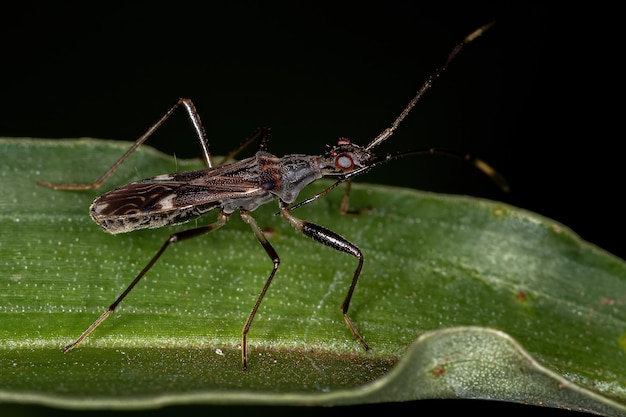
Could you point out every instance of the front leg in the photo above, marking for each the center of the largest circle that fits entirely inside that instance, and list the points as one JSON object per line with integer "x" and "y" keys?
{"x": 344, "y": 208}
{"x": 335, "y": 241}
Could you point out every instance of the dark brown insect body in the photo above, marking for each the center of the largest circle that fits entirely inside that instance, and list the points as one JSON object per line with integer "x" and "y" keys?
{"x": 243, "y": 186}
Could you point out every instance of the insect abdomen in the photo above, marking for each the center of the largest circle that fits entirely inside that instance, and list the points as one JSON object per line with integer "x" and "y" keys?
{"x": 128, "y": 222}
{"x": 143, "y": 205}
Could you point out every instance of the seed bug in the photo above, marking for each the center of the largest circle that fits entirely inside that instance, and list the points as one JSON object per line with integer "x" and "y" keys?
{"x": 244, "y": 186}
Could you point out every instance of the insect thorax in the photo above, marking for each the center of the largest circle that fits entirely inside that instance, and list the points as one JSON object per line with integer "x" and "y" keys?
{"x": 285, "y": 177}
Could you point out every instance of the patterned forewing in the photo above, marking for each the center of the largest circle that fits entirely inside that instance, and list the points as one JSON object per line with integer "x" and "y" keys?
{"x": 172, "y": 198}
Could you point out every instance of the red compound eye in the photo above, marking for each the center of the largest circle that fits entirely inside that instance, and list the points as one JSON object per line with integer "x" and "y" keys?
{"x": 344, "y": 162}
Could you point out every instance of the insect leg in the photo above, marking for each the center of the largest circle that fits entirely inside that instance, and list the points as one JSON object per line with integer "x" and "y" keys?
{"x": 194, "y": 117}
{"x": 344, "y": 207}
{"x": 271, "y": 252}
{"x": 261, "y": 134}
{"x": 177, "y": 237}
{"x": 335, "y": 241}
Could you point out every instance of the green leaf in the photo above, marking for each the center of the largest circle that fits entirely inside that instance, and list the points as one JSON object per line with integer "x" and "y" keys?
{"x": 458, "y": 298}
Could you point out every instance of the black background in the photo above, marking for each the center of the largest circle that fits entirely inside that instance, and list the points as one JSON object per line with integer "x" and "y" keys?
{"x": 538, "y": 96}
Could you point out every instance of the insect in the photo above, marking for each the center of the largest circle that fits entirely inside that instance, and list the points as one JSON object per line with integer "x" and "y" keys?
{"x": 243, "y": 186}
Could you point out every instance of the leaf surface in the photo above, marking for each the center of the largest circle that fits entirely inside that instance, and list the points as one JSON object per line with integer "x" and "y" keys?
{"x": 458, "y": 298}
